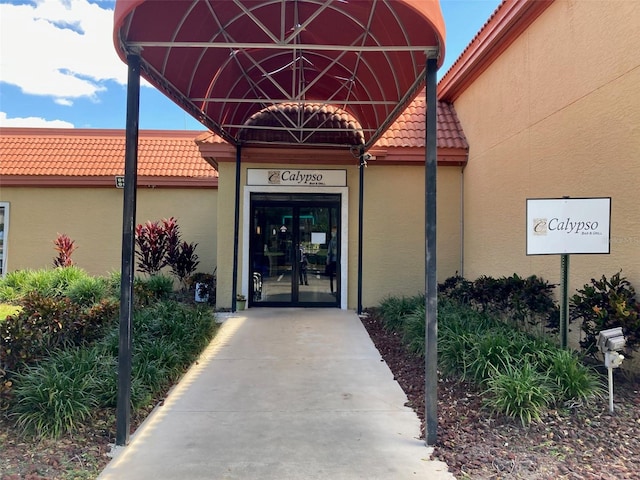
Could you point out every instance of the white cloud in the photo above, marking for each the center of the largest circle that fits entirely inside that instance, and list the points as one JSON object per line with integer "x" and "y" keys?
{"x": 59, "y": 48}
{"x": 65, "y": 102}
{"x": 32, "y": 122}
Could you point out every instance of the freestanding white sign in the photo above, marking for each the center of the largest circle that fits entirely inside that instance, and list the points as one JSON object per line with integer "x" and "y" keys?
{"x": 561, "y": 226}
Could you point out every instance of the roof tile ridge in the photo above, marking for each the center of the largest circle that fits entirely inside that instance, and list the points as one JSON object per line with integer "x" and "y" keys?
{"x": 485, "y": 25}
{"x": 506, "y": 23}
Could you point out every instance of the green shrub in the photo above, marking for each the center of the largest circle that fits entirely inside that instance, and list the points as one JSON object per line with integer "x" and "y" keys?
{"x": 8, "y": 309}
{"x": 459, "y": 328}
{"x": 457, "y": 288}
{"x": 187, "y": 328}
{"x": 527, "y": 302}
{"x": 44, "y": 282}
{"x": 55, "y": 282}
{"x": 456, "y": 315}
{"x": 603, "y": 304}
{"x": 490, "y": 353}
{"x": 453, "y": 350}
{"x": 8, "y": 294}
{"x": 161, "y": 286}
{"x": 113, "y": 284}
{"x": 155, "y": 288}
{"x": 157, "y": 363}
{"x": 521, "y": 373}
{"x": 95, "y": 320}
{"x": 47, "y": 282}
{"x": 394, "y": 310}
{"x": 105, "y": 376}
{"x": 87, "y": 291}
{"x": 413, "y": 330}
{"x": 572, "y": 380}
{"x": 16, "y": 279}
{"x": 110, "y": 341}
{"x": 519, "y": 392}
{"x": 168, "y": 337}
{"x": 43, "y": 324}
{"x": 47, "y": 323}
{"x": 56, "y": 396}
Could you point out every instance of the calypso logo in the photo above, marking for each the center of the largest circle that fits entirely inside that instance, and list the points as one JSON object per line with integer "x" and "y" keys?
{"x": 274, "y": 176}
{"x": 541, "y": 226}
{"x": 298, "y": 177}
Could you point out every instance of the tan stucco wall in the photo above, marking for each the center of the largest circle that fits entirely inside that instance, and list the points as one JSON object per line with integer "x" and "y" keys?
{"x": 92, "y": 217}
{"x": 393, "y": 247}
{"x": 558, "y": 113}
{"x": 226, "y": 206}
{"x": 394, "y": 230}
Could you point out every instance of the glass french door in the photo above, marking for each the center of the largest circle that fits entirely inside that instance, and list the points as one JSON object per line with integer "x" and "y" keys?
{"x": 294, "y": 250}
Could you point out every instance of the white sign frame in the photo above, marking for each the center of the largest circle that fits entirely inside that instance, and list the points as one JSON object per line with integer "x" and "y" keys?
{"x": 296, "y": 177}
{"x": 568, "y": 226}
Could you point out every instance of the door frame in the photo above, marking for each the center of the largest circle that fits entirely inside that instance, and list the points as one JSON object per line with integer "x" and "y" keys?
{"x": 344, "y": 233}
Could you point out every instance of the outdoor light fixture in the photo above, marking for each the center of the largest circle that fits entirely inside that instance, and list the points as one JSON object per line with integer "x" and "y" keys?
{"x": 610, "y": 342}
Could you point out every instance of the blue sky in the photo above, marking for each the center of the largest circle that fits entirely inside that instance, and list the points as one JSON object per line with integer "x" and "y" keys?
{"x": 59, "y": 68}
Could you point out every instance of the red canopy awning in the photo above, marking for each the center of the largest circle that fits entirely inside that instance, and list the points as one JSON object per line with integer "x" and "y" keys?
{"x": 225, "y": 61}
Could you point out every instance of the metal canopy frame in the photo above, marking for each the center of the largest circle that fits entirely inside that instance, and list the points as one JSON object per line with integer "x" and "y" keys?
{"x": 230, "y": 62}
{"x": 224, "y": 61}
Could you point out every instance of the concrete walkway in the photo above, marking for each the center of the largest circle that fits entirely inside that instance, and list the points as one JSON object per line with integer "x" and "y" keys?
{"x": 282, "y": 394}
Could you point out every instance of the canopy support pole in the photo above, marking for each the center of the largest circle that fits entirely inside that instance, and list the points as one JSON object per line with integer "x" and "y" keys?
{"x": 123, "y": 411}
{"x": 363, "y": 164}
{"x": 431, "y": 284}
{"x": 236, "y": 230}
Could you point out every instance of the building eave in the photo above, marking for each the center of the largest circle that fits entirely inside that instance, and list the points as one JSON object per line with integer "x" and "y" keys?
{"x": 506, "y": 24}
{"x": 63, "y": 181}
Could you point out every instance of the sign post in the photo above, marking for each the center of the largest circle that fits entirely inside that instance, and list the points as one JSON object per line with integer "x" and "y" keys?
{"x": 564, "y": 300}
{"x": 564, "y": 226}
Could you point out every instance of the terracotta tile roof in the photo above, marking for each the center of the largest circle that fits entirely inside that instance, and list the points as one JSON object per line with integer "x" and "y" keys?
{"x": 92, "y": 152}
{"x": 41, "y": 153}
{"x": 409, "y": 129}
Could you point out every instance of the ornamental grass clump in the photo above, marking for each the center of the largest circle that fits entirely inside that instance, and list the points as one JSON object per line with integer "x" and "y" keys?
{"x": 60, "y": 392}
{"x": 394, "y": 310}
{"x": 490, "y": 352}
{"x": 518, "y": 374}
{"x": 56, "y": 396}
{"x": 413, "y": 330}
{"x": 46, "y": 282}
{"x": 519, "y": 391}
{"x": 88, "y": 290}
{"x": 572, "y": 380}
{"x": 153, "y": 289}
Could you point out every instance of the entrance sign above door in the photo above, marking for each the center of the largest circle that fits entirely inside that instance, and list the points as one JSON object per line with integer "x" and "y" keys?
{"x": 560, "y": 226}
{"x": 288, "y": 177}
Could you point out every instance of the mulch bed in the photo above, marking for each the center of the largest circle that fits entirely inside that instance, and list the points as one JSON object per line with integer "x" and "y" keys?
{"x": 581, "y": 442}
